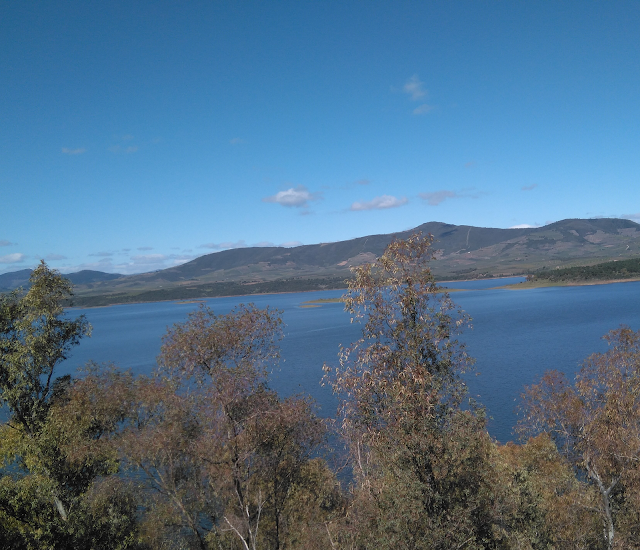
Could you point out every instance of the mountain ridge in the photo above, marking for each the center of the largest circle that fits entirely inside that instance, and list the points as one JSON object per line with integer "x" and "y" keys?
{"x": 462, "y": 251}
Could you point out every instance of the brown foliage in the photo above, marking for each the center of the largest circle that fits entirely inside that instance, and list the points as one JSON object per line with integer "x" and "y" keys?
{"x": 420, "y": 461}
{"x": 221, "y": 459}
{"x": 596, "y": 424}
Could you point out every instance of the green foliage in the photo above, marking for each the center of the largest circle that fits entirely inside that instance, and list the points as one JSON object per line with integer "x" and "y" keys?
{"x": 621, "y": 269}
{"x": 34, "y": 337}
{"x": 55, "y": 490}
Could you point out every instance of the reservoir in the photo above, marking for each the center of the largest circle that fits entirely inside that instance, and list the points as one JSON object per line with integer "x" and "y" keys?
{"x": 517, "y": 335}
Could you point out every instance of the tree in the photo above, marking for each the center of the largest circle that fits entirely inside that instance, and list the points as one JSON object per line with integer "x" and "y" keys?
{"x": 52, "y": 495}
{"x": 534, "y": 496}
{"x": 419, "y": 459}
{"x": 596, "y": 425}
{"x": 34, "y": 338}
{"x": 222, "y": 455}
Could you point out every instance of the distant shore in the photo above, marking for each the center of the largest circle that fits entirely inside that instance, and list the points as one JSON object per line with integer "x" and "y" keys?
{"x": 526, "y": 285}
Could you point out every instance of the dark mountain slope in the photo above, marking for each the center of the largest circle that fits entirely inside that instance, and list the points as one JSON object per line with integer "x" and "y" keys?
{"x": 10, "y": 281}
{"x": 462, "y": 252}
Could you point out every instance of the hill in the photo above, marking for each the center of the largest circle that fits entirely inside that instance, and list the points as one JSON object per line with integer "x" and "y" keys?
{"x": 463, "y": 252}
{"x": 86, "y": 277}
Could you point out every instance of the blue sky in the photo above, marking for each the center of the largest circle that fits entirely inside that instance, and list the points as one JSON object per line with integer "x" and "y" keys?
{"x": 139, "y": 135}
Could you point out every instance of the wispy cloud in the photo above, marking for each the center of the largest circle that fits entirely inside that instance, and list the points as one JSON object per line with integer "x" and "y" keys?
{"x": 423, "y": 109}
{"x": 415, "y": 88}
{"x": 145, "y": 248}
{"x": 102, "y": 254}
{"x": 237, "y": 141}
{"x": 635, "y": 216}
{"x": 379, "y": 203}
{"x": 54, "y": 257}
{"x": 243, "y": 244}
{"x": 6, "y": 243}
{"x": 470, "y": 164}
{"x": 225, "y": 245}
{"x": 363, "y": 182}
{"x": 523, "y": 226}
{"x": 78, "y": 151}
{"x": 140, "y": 263}
{"x": 529, "y": 187}
{"x": 123, "y": 148}
{"x": 296, "y": 197}
{"x": 15, "y": 258}
{"x": 435, "y": 198}
{"x": 148, "y": 258}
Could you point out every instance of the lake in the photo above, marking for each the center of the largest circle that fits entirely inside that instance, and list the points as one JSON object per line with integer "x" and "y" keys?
{"x": 516, "y": 336}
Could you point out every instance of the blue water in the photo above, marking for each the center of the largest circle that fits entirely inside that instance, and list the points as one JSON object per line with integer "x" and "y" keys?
{"x": 516, "y": 336}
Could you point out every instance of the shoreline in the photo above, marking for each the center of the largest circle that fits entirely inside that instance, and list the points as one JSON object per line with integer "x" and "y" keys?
{"x": 525, "y": 285}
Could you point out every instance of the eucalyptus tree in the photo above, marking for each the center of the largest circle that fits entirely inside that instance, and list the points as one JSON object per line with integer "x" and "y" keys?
{"x": 420, "y": 459}
{"x": 596, "y": 425}
{"x": 35, "y": 336}
{"x": 225, "y": 462}
{"x": 50, "y": 495}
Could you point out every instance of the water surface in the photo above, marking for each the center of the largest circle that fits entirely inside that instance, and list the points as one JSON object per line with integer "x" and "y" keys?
{"x": 516, "y": 336}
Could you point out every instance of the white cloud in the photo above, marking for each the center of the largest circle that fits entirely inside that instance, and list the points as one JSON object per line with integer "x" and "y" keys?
{"x": 379, "y": 203}
{"x": 635, "y": 216}
{"x": 78, "y": 151}
{"x": 237, "y": 141}
{"x": 415, "y": 88}
{"x": 435, "y": 198}
{"x": 12, "y": 258}
{"x": 291, "y": 244}
{"x": 54, "y": 257}
{"x": 6, "y": 243}
{"x": 529, "y": 187}
{"x": 224, "y": 246}
{"x": 523, "y": 226}
{"x": 423, "y": 109}
{"x": 294, "y": 197}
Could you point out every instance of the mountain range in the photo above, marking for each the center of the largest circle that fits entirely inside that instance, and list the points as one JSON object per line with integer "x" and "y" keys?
{"x": 461, "y": 252}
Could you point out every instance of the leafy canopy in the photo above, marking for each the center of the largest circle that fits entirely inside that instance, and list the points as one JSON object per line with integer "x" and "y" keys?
{"x": 35, "y": 337}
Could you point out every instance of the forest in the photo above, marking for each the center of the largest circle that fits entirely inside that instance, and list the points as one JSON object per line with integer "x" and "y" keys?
{"x": 606, "y": 271}
{"x": 204, "y": 455}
